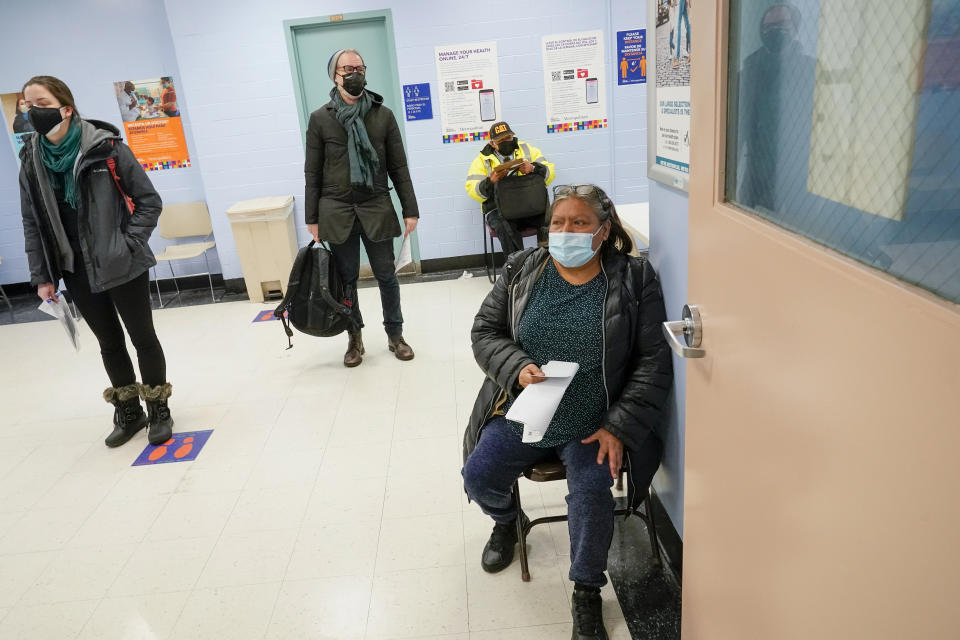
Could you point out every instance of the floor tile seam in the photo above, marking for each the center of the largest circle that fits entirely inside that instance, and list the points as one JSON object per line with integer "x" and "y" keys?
{"x": 441, "y": 565}
{"x": 65, "y": 547}
{"x": 380, "y": 525}
{"x": 206, "y": 561}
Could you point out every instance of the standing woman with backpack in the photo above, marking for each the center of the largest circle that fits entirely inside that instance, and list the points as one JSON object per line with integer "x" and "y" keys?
{"x": 76, "y": 177}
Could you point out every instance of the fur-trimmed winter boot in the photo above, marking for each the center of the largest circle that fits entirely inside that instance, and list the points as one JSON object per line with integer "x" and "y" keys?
{"x": 128, "y": 416}
{"x": 161, "y": 424}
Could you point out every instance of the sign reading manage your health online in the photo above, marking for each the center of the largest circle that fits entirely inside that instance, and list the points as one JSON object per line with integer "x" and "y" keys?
{"x": 468, "y": 88}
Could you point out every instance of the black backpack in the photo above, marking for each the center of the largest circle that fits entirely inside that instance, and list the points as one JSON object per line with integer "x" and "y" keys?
{"x": 521, "y": 196}
{"x": 314, "y": 303}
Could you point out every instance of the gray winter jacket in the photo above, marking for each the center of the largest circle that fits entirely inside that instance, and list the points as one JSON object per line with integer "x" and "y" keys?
{"x": 113, "y": 240}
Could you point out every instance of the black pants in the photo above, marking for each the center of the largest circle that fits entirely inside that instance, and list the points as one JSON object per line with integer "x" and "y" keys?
{"x": 103, "y": 312}
{"x": 508, "y": 230}
{"x": 347, "y": 257}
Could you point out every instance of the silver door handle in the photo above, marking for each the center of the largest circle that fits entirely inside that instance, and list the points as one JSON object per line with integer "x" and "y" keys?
{"x": 690, "y": 328}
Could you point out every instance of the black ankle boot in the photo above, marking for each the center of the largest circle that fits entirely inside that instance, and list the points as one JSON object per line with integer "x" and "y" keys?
{"x": 161, "y": 423}
{"x": 499, "y": 550}
{"x": 128, "y": 416}
{"x": 587, "y": 609}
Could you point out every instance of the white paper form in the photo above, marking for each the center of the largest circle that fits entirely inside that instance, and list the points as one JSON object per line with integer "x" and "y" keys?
{"x": 536, "y": 404}
{"x": 60, "y": 309}
{"x": 404, "y": 257}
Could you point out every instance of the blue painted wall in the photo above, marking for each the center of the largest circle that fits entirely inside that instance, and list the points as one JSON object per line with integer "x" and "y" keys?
{"x": 89, "y": 46}
{"x": 669, "y": 231}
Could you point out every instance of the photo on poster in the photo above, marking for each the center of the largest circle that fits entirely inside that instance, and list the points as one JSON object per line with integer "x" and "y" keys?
{"x": 573, "y": 78}
{"x": 468, "y": 84}
{"x": 669, "y": 103}
{"x": 16, "y": 119}
{"x": 151, "y": 122}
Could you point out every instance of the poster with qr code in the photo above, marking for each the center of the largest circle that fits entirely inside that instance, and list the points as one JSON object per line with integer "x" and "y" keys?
{"x": 469, "y": 96}
{"x": 574, "y": 81}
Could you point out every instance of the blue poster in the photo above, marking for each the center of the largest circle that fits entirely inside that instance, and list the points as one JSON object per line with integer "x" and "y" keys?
{"x": 416, "y": 101}
{"x": 632, "y": 56}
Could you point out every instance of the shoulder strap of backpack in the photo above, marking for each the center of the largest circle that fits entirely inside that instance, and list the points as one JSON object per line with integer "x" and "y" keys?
{"x": 292, "y": 285}
{"x": 112, "y": 165}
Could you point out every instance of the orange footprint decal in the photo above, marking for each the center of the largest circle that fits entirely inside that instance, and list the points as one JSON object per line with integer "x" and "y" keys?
{"x": 161, "y": 450}
{"x": 185, "y": 448}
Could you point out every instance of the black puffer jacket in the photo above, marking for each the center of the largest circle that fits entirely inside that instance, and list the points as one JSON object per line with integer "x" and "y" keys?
{"x": 331, "y": 201}
{"x": 637, "y": 365}
{"x": 114, "y": 241}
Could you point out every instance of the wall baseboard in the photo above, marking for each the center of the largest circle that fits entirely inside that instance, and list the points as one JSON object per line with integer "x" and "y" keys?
{"x": 458, "y": 262}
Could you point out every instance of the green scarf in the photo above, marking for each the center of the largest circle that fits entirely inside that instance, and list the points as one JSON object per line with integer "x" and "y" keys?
{"x": 60, "y": 159}
{"x": 363, "y": 157}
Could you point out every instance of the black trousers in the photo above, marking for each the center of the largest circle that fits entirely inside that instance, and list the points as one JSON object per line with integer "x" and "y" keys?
{"x": 129, "y": 302}
{"x": 508, "y": 230}
{"x": 380, "y": 253}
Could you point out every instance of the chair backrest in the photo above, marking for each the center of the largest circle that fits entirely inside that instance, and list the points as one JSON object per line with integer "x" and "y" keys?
{"x": 184, "y": 220}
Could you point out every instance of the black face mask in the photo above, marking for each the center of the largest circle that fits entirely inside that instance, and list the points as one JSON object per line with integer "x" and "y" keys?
{"x": 507, "y": 148}
{"x": 44, "y": 119}
{"x": 353, "y": 83}
{"x": 776, "y": 38}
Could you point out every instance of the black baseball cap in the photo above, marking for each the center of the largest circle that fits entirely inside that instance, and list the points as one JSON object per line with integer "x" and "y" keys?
{"x": 500, "y": 130}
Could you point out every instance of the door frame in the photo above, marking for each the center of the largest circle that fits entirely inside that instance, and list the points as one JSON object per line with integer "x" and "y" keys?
{"x": 290, "y": 29}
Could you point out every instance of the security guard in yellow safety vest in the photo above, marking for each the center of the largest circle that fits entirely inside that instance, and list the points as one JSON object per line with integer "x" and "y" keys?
{"x": 485, "y": 171}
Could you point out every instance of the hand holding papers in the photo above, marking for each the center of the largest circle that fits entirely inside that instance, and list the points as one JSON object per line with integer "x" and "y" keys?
{"x": 536, "y": 404}
{"x": 60, "y": 309}
{"x": 404, "y": 257}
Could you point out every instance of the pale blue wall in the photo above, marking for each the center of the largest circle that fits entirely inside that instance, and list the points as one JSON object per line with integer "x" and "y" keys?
{"x": 669, "y": 231}
{"x": 89, "y": 46}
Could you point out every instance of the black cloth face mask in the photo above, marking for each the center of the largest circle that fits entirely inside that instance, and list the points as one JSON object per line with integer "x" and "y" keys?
{"x": 353, "y": 83}
{"x": 45, "y": 119}
{"x": 507, "y": 148}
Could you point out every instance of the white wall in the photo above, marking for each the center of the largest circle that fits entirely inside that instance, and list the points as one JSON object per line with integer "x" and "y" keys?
{"x": 230, "y": 57}
{"x": 89, "y": 46}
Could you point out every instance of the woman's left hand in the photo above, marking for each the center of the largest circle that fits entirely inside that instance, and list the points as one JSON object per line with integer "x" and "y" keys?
{"x": 610, "y": 446}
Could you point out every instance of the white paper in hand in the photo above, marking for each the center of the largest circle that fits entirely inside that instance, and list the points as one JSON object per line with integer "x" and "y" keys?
{"x": 60, "y": 309}
{"x": 536, "y": 404}
{"x": 404, "y": 257}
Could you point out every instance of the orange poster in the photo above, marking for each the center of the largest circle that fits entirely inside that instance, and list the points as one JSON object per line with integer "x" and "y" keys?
{"x": 151, "y": 122}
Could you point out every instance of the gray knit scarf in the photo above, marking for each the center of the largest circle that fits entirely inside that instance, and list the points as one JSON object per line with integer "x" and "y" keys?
{"x": 364, "y": 162}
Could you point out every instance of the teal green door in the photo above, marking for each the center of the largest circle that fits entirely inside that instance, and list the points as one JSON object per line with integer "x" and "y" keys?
{"x": 312, "y": 41}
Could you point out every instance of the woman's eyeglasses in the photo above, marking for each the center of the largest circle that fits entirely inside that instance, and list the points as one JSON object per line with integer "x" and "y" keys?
{"x": 564, "y": 190}
{"x": 349, "y": 68}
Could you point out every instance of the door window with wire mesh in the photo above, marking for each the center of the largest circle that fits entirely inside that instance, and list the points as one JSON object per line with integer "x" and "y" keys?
{"x": 843, "y": 124}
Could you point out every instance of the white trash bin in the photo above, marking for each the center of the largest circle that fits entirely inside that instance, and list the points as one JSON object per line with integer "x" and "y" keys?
{"x": 266, "y": 244}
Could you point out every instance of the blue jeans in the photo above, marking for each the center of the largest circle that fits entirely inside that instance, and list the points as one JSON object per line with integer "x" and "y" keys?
{"x": 347, "y": 257}
{"x": 500, "y": 458}
{"x": 683, "y": 19}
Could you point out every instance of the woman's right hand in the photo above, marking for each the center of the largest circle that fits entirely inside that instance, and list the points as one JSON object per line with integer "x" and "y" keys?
{"x": 314, "y": 230}
{"x": 46, "y": 291}
{"x": 530, "y": 374}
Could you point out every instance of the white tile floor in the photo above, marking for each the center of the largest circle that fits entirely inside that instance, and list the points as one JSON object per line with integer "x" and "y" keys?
{"x": 326, "y": 504}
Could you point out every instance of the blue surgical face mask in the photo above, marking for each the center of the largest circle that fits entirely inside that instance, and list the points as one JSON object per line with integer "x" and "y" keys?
{"x": 573, "y": 250}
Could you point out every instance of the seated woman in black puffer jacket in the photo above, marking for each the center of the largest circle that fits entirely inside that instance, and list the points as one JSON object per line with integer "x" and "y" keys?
{"x": 585, "y": 301}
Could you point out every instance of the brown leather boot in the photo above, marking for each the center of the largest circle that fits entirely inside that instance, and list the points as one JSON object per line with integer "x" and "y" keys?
{"x": 399, "y": 347}
{"x": 355, "y": 351}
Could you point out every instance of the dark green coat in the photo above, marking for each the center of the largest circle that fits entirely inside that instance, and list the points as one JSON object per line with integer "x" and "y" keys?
{"x": 331, "y": 201}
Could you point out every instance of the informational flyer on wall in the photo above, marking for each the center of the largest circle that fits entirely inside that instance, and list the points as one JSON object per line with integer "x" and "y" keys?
{"x": 574, "y": 81}
{"x": 16, "y": 119}
{"x": 631, "y": 56}
{"x": 151, "y": 122}
{"x": 468, "y": 82}
{"x": 669, "y": 103}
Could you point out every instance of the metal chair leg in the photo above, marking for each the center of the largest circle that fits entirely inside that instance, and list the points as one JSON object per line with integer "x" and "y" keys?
{"x": 7, "y": 300}
{"x": 489, "y": 264}
{"x": 206, "y": 260}
{"x": 652, "y": 531}
{"x": 521, "y": 534}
